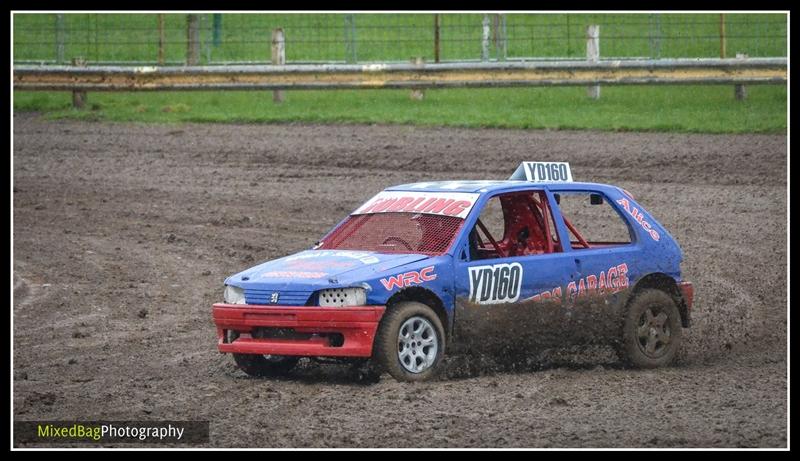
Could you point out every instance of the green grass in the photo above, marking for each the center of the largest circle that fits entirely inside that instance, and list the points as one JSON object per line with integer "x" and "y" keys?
{"x": 396, "y": 37}
{"x": 711, "y": 109}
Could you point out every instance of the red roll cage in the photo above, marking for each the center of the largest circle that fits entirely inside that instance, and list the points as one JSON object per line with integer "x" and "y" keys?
{"x": 538, "y": 238}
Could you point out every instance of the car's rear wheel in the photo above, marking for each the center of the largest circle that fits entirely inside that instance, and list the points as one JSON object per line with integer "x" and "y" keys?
{"x": 262, "y": 365}
{"x": 652, "y": 330}
{"x": 410, "y": 342}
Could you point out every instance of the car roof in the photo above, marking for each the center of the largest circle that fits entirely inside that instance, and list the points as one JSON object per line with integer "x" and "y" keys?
{"x": 484, "y": 187}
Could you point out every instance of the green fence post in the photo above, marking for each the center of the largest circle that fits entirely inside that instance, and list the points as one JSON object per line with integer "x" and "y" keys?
{"x": 217, "y": 29}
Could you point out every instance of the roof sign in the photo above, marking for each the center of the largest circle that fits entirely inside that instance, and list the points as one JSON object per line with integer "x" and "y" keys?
{"x": 543, "y": 172}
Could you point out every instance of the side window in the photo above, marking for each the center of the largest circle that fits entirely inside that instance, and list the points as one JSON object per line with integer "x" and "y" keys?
{"x": 592, "y": 222}
{"x": 490, "y": 225}
{"x": 492, "y": 218}
{"x": 514, "y": 224}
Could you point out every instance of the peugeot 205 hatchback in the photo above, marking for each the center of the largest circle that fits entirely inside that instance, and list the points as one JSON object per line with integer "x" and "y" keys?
{"x": 489, "y": 266}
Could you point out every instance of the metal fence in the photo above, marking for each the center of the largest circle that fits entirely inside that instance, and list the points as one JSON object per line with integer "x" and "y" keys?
{"x": 210, "y": 39}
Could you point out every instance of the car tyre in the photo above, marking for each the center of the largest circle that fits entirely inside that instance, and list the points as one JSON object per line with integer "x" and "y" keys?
{"x": 652, "y": 330}
{"x": 410, "y": 342}
{"x": 261, "y": 366}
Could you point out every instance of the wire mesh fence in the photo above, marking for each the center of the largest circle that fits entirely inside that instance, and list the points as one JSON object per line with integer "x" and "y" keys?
{"x": 362, "y": 38}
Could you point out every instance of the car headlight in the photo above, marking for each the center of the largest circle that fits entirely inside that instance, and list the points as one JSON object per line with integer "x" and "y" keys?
{"x": 234, "y": 295}
{"x": 341, "y": 297}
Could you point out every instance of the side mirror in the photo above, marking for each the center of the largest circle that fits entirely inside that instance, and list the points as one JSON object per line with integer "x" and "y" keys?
{"x": 558, "y": 198}
{"x": 596, "y": 199}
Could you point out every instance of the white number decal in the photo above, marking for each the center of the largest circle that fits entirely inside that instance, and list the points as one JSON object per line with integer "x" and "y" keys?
{"x": 495, "y": 284}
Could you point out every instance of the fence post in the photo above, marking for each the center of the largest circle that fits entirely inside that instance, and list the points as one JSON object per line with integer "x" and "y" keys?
{"x": 418, "y": 95}
{"x": 740, "y": 91}
{"x": 350, "y": 39}
{"x": 78, "y": 97}
{"x": 160, "y": 39}
{"x": 499, "y": 36}
{"x": 722, "y": 41}
{"x": 504, "y": 37}
{"x": 495, "y": 31}
{"x": 217, "y": 29}
{"x": 485, "y": 40}
{"x": 204, "y": 39}
{"x": 192, "y": 40}
{"x": 593, "y": 55}
{"x": 59, "y": 39}
{"x": 278, "y": 59}
{"x": 655, "y": 36}
{"x": 569, "y": 43}
{"x": 437, "y": 25}
{"x": 658, "y": 35}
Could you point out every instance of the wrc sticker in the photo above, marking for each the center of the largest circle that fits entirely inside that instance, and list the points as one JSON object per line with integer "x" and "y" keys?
{"x": 495, "y": 284}
{"x": 409, "y": 278}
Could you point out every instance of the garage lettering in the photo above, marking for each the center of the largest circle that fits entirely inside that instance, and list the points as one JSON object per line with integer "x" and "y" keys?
{"x": 607, "y": 282}
{"x": 495, "y": 284}
{"x": 549, "y": 295}
{"x": 614, "y": 280}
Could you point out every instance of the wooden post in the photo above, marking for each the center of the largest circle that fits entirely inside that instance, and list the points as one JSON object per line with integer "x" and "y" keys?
{"x": 593, "y": 55}
{"x": 485, "y": 39}
{"x": 78, "y": 97}
{"x": 160, "y": 39}
{"x": 418, "y": 95}
{"x": 278, "y": 59}
{"x": 192, "y": 40}
{"x": 59, "y": 39}
{"x": 740, "y": 91}
{"x": 722, "y": 41}
{"x": 437, "y": 25}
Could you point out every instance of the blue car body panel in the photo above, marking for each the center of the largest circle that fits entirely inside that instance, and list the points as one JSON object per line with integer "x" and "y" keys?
{"x": 454, "y": 279}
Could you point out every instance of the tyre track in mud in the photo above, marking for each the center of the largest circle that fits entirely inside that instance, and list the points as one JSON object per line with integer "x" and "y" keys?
{"x": 120, "y": 218}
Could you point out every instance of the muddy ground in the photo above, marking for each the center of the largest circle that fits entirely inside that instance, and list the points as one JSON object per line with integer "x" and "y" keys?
{"x": 123, "y": 234}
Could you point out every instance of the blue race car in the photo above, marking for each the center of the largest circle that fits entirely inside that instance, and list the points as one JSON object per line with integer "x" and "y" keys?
{"x": 488, "y": 267}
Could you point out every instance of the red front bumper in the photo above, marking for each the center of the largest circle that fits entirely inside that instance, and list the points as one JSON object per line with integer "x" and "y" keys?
{"x": 323, "y": 328}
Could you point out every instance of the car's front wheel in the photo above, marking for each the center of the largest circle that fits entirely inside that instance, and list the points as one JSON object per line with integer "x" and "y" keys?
{"x": 410, "y": 342}
{"x": 262, "y": 365}
{"x": 652, "y": 330}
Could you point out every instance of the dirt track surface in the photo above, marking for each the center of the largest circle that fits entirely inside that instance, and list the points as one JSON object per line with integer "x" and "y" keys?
{"x": 123, "y": 234}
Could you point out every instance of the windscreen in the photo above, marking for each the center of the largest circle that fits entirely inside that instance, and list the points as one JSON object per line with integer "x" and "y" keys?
{"x": 394, "y": 233}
